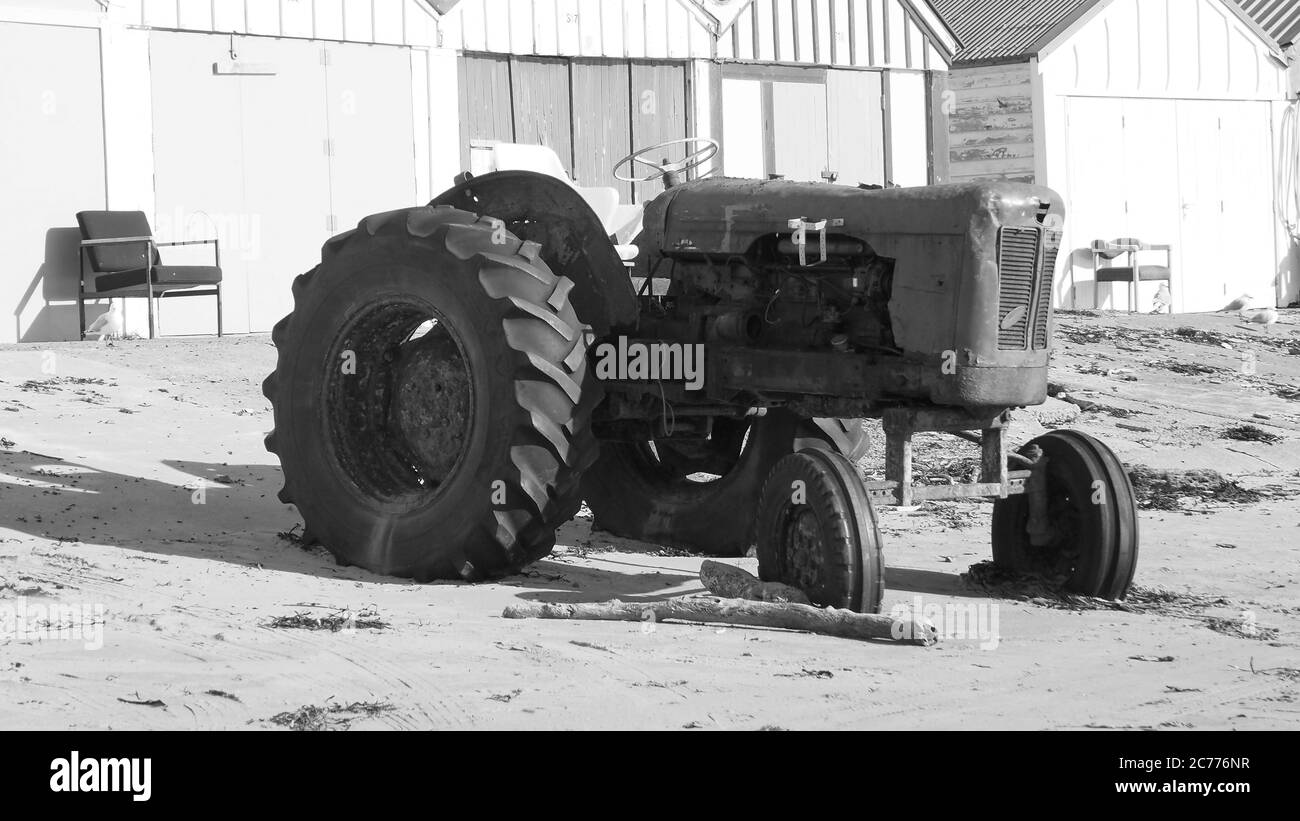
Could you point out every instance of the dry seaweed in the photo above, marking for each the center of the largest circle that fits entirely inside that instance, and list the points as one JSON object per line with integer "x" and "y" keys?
{"x": 335, "y": 622}
{"x": 1250, "y": 433}
{"x": 313, "y": 718}
{"x": 1167, "y": 489}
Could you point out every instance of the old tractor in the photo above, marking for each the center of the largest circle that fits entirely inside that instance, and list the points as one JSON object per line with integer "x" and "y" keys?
{"x": 456, "y": 380}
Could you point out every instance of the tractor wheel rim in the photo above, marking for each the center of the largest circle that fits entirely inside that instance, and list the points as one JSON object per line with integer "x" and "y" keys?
{"x": 1058, "y": 561}
{"x": 801, "y": 538}
{"x": 400, "y": 418}
{"x": 433, "y": 404}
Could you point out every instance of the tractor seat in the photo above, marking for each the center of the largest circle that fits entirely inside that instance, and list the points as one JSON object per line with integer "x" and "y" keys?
{"x": 617, "y": 219}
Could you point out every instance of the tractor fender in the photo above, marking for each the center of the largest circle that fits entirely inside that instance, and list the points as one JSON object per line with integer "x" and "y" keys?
{"x": 541, "y": 209}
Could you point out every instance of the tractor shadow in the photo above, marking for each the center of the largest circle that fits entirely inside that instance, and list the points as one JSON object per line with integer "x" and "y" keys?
{"x": 930, "y": 583}
{"x": 216, "y": 512}
{"x": 599, "y": 567}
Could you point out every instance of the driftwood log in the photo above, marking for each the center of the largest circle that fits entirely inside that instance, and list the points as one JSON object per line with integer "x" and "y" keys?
{"x": 703, "y": 610}
{"x": 728, "y": 582}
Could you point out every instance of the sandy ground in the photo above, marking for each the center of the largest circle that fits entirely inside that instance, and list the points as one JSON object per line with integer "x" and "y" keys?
{"x": 107, "y": 449}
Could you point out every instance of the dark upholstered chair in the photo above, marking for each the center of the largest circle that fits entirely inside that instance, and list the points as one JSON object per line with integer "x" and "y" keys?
{"x": 1134, "y": 272}
{"x": 120, "y": 259}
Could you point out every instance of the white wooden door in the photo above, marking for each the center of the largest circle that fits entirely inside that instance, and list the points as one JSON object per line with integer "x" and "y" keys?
{"x": 742, "y": 129}
{"x": 799, "y": 131}
{"x": 371, "y": 131}
{"x": 1096, "y": 207}
{"x": 1203, "y": 285}
{"x": 856, "y": 142}
{"x": 286, "y": 170}
{"x": 1250, "y": 263}
{"x": 1152, "y": 199}
{"x": 50, "y": 109}
{"x": 198, "y": 144}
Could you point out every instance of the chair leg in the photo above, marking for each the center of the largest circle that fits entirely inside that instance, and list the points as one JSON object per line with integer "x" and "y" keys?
{"x": 219, "y": 329}
{"x": 81, "y": 313}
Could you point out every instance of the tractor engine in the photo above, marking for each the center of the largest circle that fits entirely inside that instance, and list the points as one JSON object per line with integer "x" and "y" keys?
{"x": 841, "y": 302}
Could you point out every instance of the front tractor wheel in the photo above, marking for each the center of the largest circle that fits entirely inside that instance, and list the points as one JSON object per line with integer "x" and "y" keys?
{"x": 432, "y": 398}
{"x": 1085, "y": 533}
{"x": 818, "y": 532}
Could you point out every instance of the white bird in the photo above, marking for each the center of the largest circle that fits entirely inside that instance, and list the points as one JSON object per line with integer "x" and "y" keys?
{"x": 1163, "y": 299}
{"x": 1239, "y": 304}
{"x": 1267, "y": 317}
{"x": 109, "y": 325}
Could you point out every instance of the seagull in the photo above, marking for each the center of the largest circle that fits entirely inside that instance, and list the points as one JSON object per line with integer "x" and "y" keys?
{"x": 109, "y": 325}
{"x": 1163, "y": 299}
{"x": 1239, "y": 304}
{"x": 1267, "y": 317}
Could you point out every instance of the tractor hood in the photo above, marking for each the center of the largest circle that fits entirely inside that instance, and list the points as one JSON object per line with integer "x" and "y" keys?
{"x": 728, "y": 216}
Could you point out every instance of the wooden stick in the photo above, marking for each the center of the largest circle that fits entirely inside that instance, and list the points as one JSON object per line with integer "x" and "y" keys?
{"x": 705, "y": 610}
{"x": 728, "y": 582}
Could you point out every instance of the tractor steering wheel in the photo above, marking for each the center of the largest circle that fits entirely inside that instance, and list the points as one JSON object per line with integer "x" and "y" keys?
{"x": 707, "y": 151}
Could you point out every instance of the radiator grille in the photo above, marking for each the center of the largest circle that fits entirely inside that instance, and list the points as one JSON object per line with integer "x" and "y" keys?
{"x": 1043, "y": 310}
{"x": 1017, "y": 267}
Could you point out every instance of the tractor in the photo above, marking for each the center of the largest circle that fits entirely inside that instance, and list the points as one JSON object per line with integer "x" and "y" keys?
{"x": 456, "y": 380}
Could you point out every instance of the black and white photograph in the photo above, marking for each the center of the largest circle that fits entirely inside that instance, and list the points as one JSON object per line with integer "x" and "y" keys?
{"x": 650, "y": 365}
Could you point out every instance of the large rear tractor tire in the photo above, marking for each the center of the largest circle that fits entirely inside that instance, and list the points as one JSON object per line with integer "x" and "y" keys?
{"x": 644, "y": 491}
{"x": 432, "y": 398}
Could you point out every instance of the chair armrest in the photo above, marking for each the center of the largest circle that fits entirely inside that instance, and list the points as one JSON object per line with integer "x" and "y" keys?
{"x": 92, "y": 243}
{"x": 216, "y": 246}
{"x": 188, "y": 242}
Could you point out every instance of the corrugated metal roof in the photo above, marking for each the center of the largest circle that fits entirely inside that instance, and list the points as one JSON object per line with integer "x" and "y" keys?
{"x": 1280, "y": 18}
{"x": 1005, "y": 29}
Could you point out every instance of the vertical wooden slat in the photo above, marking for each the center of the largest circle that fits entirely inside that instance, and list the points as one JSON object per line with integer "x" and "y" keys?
{"x": 602, "y": 123}
{"x": 540, "y": 97}
{"x": 611, "y": 25}
{"x": 853, "y": 31}
{"x": 874, "y": 31}
{"x": 522, "y": 40}
{"x": 940, "y": 151}
{"x": 766, "y": 37}
{"x": 659, "y": 111}
{"x": 545, "y": 27}
{"x": 656, "y": 34}
{"x": 634, "y": 28}
{"x": 569, "y": 33}
{"x": 744, "y": 35}
{"x": 907, "y": 40}
{"x": 486, "y": 104}
{"x": 496, "y": 24}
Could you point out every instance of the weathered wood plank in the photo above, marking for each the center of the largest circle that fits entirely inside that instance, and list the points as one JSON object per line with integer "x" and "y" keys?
{"x": 968, "y": 79}
{"x": 1016, "y": 166}
{"x": 964, "y": 122}
{"x": 994, "y": 152}
{"x": 993, "y": 136}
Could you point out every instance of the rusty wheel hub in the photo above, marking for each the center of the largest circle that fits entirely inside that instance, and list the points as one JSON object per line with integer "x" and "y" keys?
{"x": 433, "y": 404}
{"x": 804, "y": 552}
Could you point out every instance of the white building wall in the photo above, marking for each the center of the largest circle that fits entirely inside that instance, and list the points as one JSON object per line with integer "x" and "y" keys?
{"x": 124, "y": 28}
{"x": 1197, "y": 51}
{"x": 849, "y": 33}
{"x": 842, "y": 33}
{"x": 635, "y": 29}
